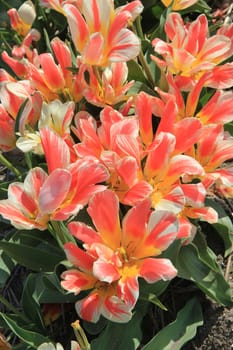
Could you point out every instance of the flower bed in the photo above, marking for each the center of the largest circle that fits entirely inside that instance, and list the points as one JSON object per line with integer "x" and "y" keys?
{"x": 115, "y": 127}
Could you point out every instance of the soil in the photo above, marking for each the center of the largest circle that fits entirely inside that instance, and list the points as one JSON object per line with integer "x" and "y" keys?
{"x": 217, "y": 330}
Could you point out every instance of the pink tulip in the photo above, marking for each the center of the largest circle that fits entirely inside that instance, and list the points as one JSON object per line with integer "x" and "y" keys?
{"x": 190, "y": 51}
{"x": 99, "y": 32}
{"x": 116, "y": 256}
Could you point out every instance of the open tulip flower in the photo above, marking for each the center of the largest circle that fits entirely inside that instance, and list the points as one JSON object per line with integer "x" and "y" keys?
{"x": 110, "y": 89}
{"x": 191, "y": 51}
{"x": 116, "y": 256}
{"x": 100, "y": 33}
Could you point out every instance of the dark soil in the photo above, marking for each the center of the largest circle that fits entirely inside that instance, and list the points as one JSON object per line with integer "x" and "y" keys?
{"x": 217, "y": 330}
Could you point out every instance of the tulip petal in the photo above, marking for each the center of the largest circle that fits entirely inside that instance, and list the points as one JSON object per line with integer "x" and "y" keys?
{"x": 105, "y": 271}
{"x": 104, "y": 211}
{"x": 92, "y": 53}
{"x": 78, "y": 257}
{"x": 134, "y": 224}
{"x": 116, "y": 310}
{"x": 89, "y": 308}
{"x": 84, "y": 233}
{"x": 17, "y": 218}
{"x": 74, "y": 281}
{"x": 153, "y": 270}
{"x": 54, "y": 190}
{"x": 56, "y": 151}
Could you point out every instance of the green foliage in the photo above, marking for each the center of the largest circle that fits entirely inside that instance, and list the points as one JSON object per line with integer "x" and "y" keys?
{"x": 124, "y": 337}
{"x": 32, "y": 338}
{"x": 200, "y": 266}
{"x": 179, "y": 332}
{"x": 39, "y": 254}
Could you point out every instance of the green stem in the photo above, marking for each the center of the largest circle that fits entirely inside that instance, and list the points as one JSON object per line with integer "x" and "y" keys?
{"x": 10, "y": 166}
{"x": 139, "y": 32}
{"x": 146, "y": 69}
{"x": 60, "y": 233}
{"x": 139, "y": 28}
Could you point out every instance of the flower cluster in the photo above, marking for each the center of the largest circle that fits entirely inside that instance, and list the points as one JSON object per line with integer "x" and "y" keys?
{"x": 141, "y": 164}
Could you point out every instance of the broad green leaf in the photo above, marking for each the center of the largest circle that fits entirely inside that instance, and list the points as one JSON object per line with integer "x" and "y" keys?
{"x": 139, "y": 86}
{"x": 30, "y": 302}
{"x": 227, "y": 237}
{"x": 150, "y": 292}
{"x": 122, "y": 336}
{"x": 179, "y": 332}
{"x": 229, "y": 127}
{"x": 35, "y": 238}
{"x": 149, "y": 3}
{"x": 95, "y": 328}
{"x": 135, "y": 72}
{"x": 31, "y": 338}
{"x": 6, "y": 266}
{"x": 224, "y": 226}
{"x": 33, "y": 258}
{"x": 51, "y": 291}
{"x": 192, "y": 266}
{"x": 205, "y": 253}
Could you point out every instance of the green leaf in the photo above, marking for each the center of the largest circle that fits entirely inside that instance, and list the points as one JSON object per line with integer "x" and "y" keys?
{"x": 152, "y": 298}
{"x": 95, "y": 328}
{"x": 192, "y": 265}
{"x": 135, "y": 72}
{"x": 30, "y": 302}
{"x": 33, "y": 258}
{"x": 226, "y": 236}
{"x": 139, "y": 86}
{"x": 122, "y": 336}
{"x": 205, "y": 253}
{"x": 6, "y": 266}
{"x": 150, "y": 292}
{"x": 179, "y": 332}
{"x": 51, "y": 291}
{"x": 229, "y": 127}
{"x": 29, "y": 337}
{"x": 224, "y": 226}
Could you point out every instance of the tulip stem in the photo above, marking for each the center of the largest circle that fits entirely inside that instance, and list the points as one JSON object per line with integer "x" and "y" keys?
{"x": 139, "y": 32}
{"x": 10, "y": 166}
{"x": 60, "y": 233}
{"x": 146, "y": 69}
